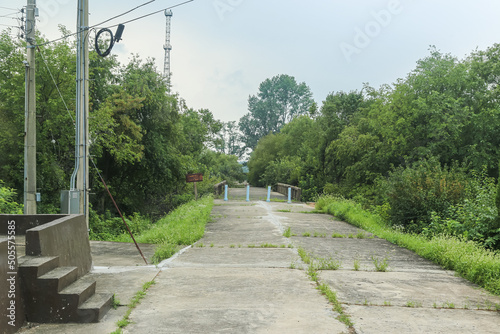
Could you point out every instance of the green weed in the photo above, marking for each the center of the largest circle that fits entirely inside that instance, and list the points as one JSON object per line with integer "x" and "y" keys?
{"x": 287, "y": 233}
{"x": 357, "y": 264}
{"x": 337, "y": 235}
{"x": 380, "y": 265}
{"x": 326, "y": 264}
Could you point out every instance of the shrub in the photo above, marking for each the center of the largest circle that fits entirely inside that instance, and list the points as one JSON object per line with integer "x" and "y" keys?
{"x": 413, "y": 193}
{"x": 476, "y": 218}
{"x": 7, "y": 203}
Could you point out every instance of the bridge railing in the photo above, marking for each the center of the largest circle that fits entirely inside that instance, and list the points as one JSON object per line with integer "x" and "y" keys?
{"x": 282, "y": 188}
{"x": 219, "y": 188}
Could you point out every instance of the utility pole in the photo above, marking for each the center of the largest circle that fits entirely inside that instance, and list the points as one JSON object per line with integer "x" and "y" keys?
{"x": 82, "y": 176}
{"x": 30, "y": 114}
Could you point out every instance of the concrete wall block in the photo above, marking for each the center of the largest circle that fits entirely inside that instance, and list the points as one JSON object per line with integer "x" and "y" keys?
{"x": 25, "y": 222}
{"x": 66, "y": 238}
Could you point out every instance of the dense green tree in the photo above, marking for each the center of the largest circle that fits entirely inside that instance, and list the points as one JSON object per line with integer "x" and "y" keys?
{"x": 279, "y": 100}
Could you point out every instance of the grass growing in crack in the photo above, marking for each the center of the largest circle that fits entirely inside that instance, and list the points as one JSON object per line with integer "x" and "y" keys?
{"x": 357, "y": 265}
{"x": 305, "y": 256}
{"x": 337, "y": 235}
{"x": 387, "y": 303}
{"x": 320, "y": 235}
{"x": 326, "y": 264}
{"x": 289, "y": 210}
{"x": 306, "y": 234}
{"x": 232, "y": 246}
{"x": 380, "y": 264}
{"x": 125, "y": 321}
{"x": 332, "y": 298}
{"x": 287, "y": 233}
{"x": 412, "y": 303}
{"x": 312, "y": 272}
{"x": 115, "y": 302}
{"x": 448, "y": 305}
{"x": 266, "y": 245}
{"x": 360, "y": 235}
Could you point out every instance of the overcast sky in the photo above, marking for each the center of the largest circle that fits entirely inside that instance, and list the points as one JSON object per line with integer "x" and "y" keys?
{"x": 223, "y": 49}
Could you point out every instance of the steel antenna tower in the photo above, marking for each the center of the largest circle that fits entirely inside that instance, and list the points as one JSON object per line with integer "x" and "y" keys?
{"x": 167, "y": 47}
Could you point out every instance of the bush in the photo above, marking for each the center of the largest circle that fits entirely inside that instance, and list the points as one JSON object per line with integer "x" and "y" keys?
{"x": 415, "y": 192}
{"x": 476, "y": 218}
{"x": 109, "y": 228}
{"x": 285, "y": 170}
{"x": 7, "y": 203}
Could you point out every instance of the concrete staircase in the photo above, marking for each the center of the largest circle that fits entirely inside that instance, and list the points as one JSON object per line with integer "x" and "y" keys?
{"x": 54, "y": 294}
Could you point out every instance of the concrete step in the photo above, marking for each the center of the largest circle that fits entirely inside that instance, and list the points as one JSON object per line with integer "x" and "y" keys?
{"x": 58, "y": 279}
{"x": 95, "y": 308}
{"x": 79, "y": 292}
{"x": 36, "y": 266}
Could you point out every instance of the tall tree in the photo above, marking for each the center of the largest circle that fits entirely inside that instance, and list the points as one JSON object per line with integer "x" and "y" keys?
{"x": 279, "y": 100}
{"x": 229, "y": 140}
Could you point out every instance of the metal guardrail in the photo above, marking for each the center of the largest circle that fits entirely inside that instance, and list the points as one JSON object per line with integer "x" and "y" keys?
{"x": 219, "y": 188}
{"x": 282, "y": 188}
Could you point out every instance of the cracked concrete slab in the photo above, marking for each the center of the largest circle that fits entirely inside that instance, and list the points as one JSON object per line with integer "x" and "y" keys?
{"x": 423, "y": 289}
{"x": 237, "y": 257}
{"x": 233, "y": 300}
{"x": 404, "y": 320}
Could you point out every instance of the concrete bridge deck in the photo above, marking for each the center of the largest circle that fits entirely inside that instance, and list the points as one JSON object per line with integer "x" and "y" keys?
{"x": 232, "y": 282}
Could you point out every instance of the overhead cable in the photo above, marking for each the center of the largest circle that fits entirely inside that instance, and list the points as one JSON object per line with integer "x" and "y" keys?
{"x": 129, "y": 11}
{"x": 153, "y": 13}
{"x": 141, "y": 17}
{"x": 55, "y": 83}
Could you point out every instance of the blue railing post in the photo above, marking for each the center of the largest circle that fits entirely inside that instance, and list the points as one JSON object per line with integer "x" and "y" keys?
{"x": 268, "y": 194}
{"x": 248, "y": 193}
{"x": 225, "y": 193}
{"x": 289, "y": 195}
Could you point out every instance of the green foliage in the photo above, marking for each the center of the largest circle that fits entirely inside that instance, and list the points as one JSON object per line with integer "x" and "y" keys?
{"x": 475, "y": 218}
{"x": 415, "y": 192}
{"x": 107, "y": 227}
{"x": 279, "y": 100}
{"x": 183, "y": 226}
{"x": 7, "y": 203}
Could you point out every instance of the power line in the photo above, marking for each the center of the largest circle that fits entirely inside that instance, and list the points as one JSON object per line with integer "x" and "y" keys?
{"x": 129, "y": 11}
{"x": 55, "y": 83}
{"x": 159, "y": 11}
{"x": 9, "y": 8}
{"x": 9, "y": 15}
{"x": 141, "y": 17}
{"x": 6, "y": 25}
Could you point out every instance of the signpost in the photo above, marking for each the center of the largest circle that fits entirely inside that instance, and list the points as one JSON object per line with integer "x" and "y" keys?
{"x": 194, "y": 178}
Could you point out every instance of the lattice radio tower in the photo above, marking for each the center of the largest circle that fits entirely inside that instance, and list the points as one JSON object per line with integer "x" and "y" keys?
{"x": 167, "y": 47}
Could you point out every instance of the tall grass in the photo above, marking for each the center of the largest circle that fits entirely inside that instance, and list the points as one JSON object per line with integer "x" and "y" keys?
{"x": 468, "y": 258}
{"x": 183, "y": 226}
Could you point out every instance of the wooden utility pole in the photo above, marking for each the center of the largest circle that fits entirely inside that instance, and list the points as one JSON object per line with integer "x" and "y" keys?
{"x": 30, "y": 114}
{"x": 82, "y": 183}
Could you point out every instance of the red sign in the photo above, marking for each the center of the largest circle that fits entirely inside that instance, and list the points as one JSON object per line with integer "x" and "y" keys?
{"x": 194, "y": 178}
